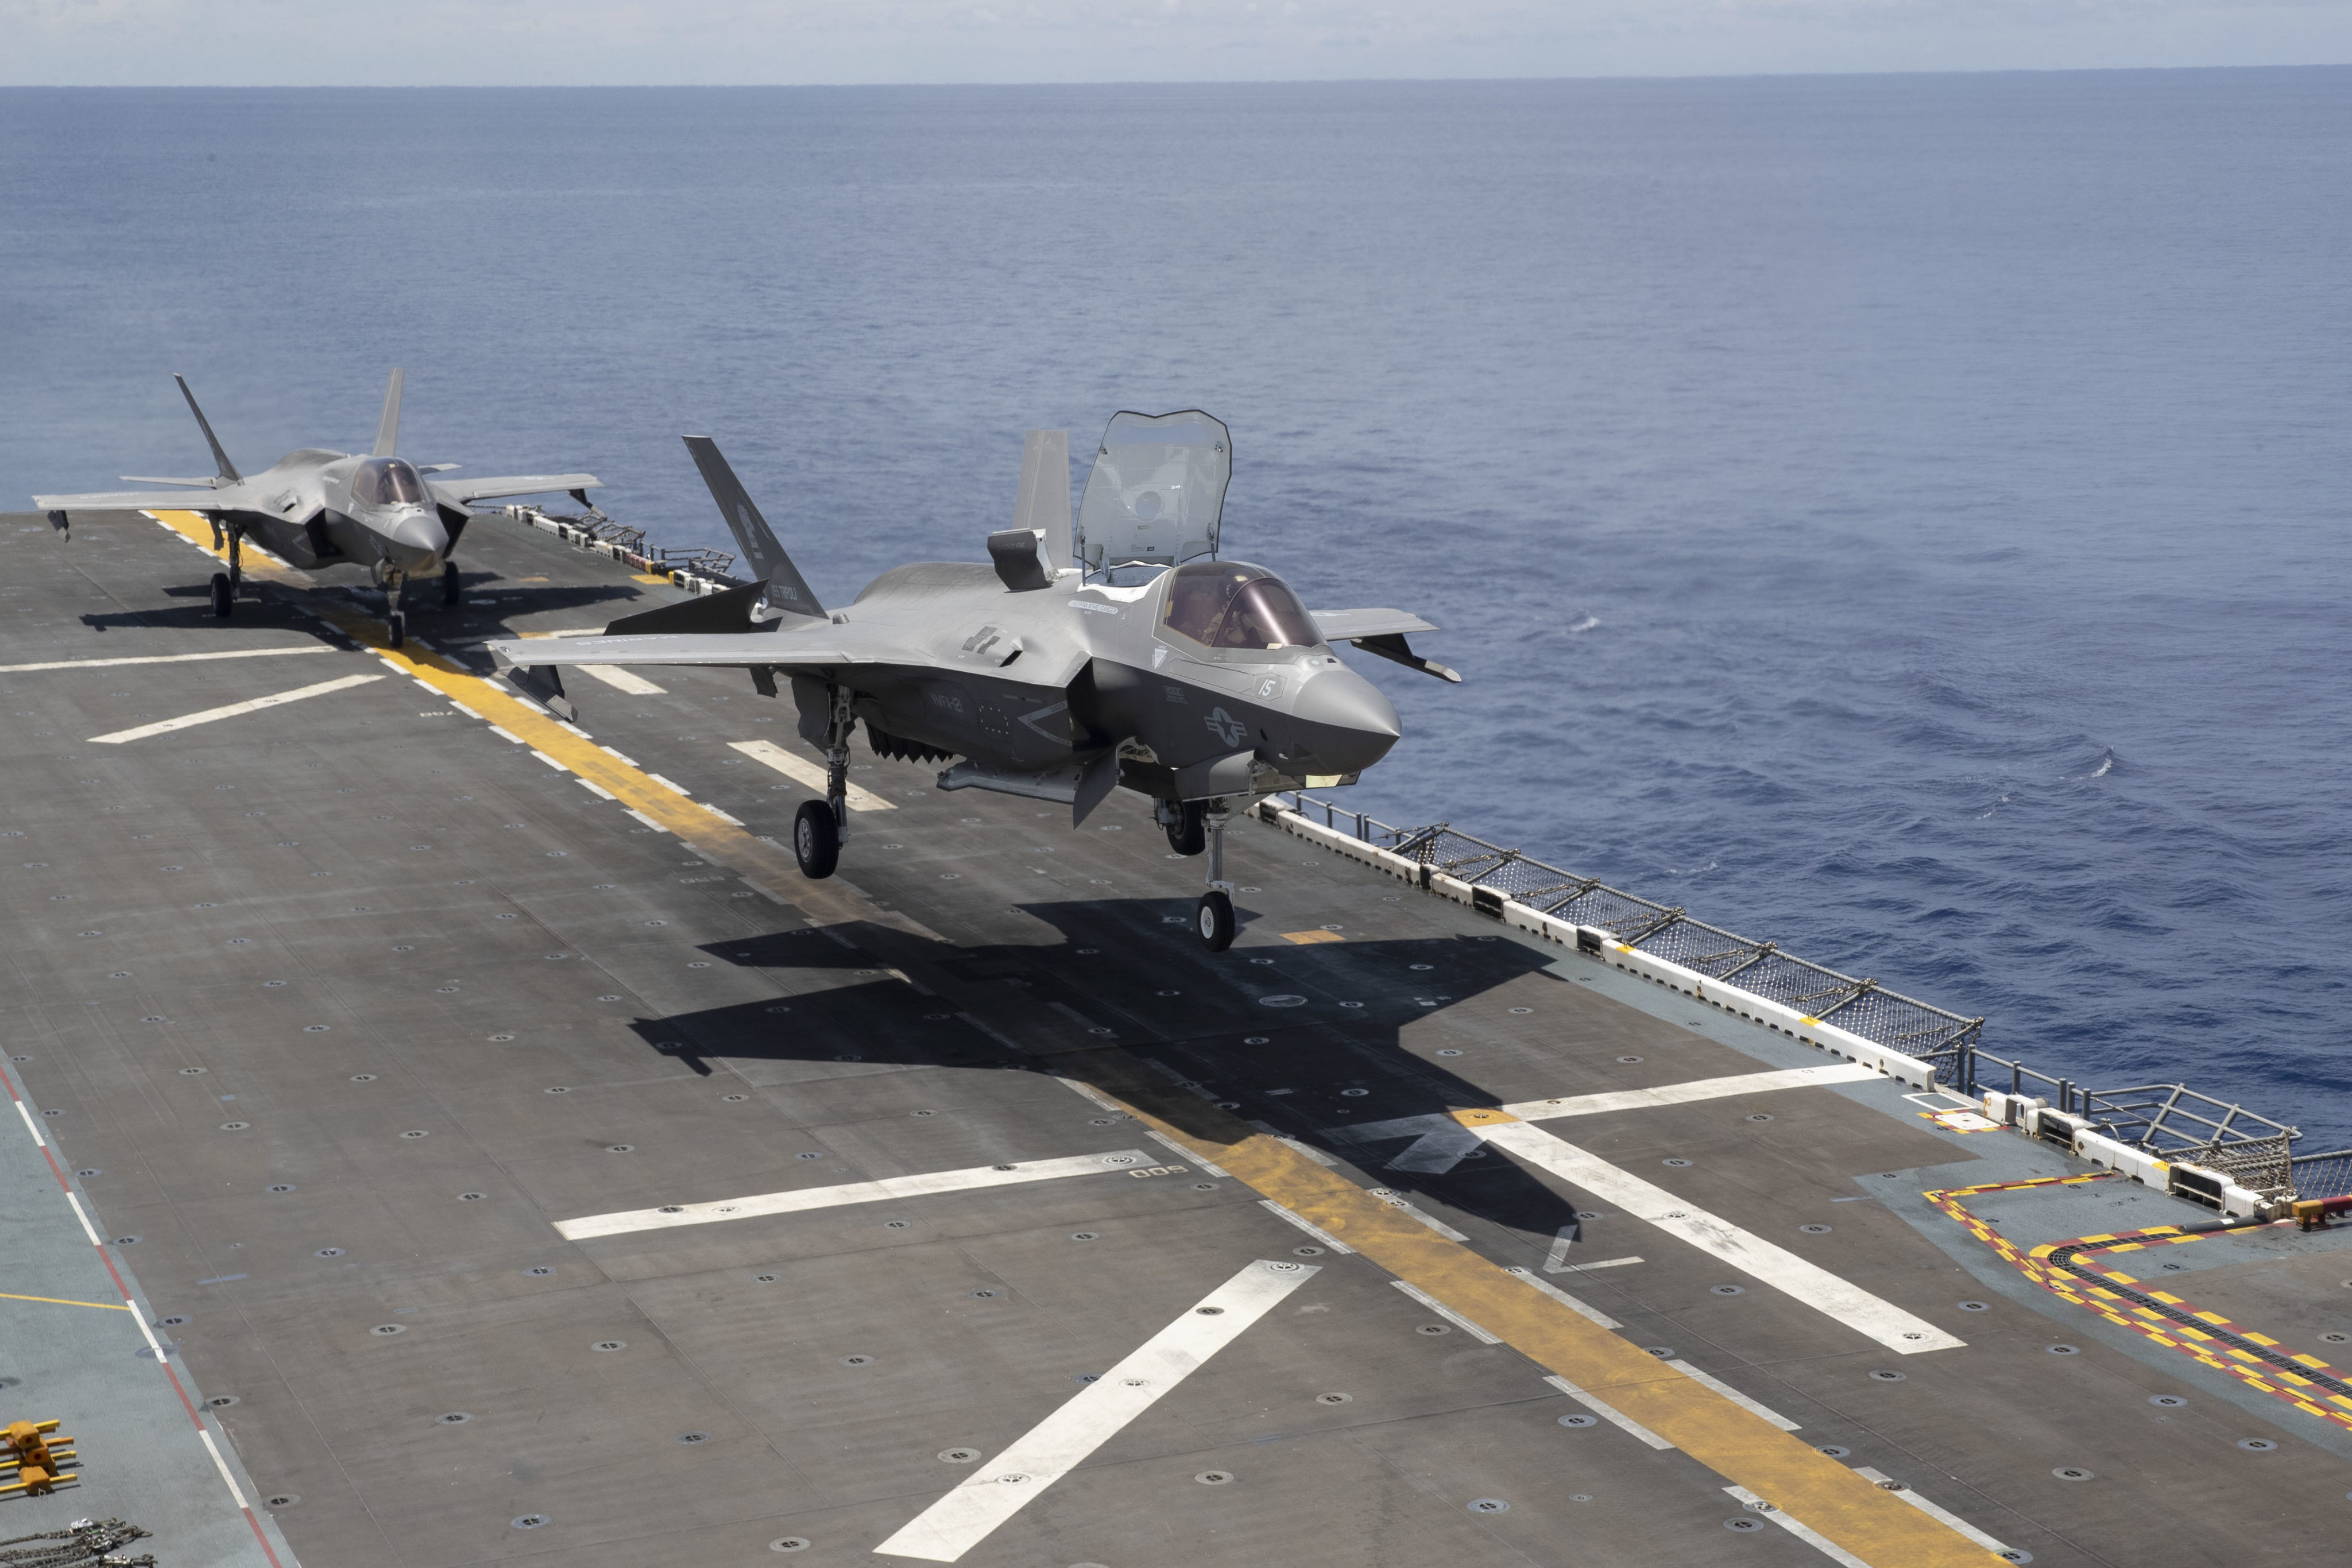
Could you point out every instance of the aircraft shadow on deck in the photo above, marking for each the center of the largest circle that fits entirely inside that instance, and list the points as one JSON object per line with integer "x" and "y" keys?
{"x": 855, "y": 1011}
{"x": 192, "y": 609}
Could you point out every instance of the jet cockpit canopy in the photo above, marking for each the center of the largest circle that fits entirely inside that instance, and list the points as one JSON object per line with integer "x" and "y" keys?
{"x": 1156, "y": 492}
{"x": 386, "y": 481}
{"x": 1232, "y": 604}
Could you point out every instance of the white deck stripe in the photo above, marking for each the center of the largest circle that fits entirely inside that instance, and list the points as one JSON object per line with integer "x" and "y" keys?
{"x": 30, "y": 1126}
{"x": 164, "y": 659}
{"x": 1849, "y": 1304}
{"x": 1684, "y": 1093}
{"x": 1004, "y": 1484}
{"x": 221, "y": 1465}
{"x": 847, "y": 1193}
{"x": 1608, "y": 1412}
{"x": 1806, "y": 1534}
{"x": 1580, "y": 1308}
{"x": 87, "y": 1229}
{"x": 1943, "y": 1514}
{"x": 1307, "y": 1224}
{"x": 1448, "y": 1313}
{"x": 1753, "y": 1407}
{"x": 186, "y": 721}
{"x": 802, "y": 772}
{"x": 621, "y": 680}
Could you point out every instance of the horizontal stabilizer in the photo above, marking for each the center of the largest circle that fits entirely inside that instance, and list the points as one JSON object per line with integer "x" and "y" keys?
{"x": 711, "y": 614}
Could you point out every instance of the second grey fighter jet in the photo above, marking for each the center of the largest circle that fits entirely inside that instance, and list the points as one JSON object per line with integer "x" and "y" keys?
{"x": 1152, "y": 664}
{"x": 315, "y": 508}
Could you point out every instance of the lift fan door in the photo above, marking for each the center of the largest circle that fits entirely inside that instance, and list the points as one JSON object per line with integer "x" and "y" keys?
{"x": 1157, "y": 490}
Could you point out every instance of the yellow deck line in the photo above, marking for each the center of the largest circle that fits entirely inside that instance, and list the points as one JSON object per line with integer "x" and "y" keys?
{"x": 1874, "y": 1525}
{"x": 61, "y": 1301}
{"x": 1810, "y": 1486}
{"x": 768, "y": 865}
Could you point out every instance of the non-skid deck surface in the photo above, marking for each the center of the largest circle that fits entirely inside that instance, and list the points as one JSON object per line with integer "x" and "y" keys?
{"x": 344, "y": 1004}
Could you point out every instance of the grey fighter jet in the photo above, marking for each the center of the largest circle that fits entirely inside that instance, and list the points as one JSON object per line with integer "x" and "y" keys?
{"x": 1149, "y": 663}
{"x": 316, "y": 508}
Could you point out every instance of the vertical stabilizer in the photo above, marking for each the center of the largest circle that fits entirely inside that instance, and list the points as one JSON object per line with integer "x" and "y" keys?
{"x": 787, "y": 589}
{"x": 227, "y": 469}
{"x": 387, "y": 429}
{"x": 1044, "y": 502}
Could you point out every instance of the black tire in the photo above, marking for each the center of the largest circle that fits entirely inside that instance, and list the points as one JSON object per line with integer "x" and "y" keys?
{"x": 1189, "y": 833}
{"x": 453, "y": 587}
{"x": 222, "y": 599}
{"x": 1213, "y": 918}
{"x": 816, "y": 839}
{"x": 395, "y": 628}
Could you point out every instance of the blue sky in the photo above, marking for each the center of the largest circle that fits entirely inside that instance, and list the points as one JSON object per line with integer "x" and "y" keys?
{"x": 587, "y": 42}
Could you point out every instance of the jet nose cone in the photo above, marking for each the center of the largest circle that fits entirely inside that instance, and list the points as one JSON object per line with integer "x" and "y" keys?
{"x": 420, "y": 534}
{"x": 1347, "y": 722}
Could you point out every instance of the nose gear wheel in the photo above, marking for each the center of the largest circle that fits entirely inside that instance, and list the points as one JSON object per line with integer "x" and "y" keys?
{"x": 1213, "y": 918}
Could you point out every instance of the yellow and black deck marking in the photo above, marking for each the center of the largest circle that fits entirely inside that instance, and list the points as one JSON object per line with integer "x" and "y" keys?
{"x": 2154, "y": 1315}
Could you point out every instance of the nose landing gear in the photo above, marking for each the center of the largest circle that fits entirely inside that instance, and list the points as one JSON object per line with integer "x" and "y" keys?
{"x": 1213, "y": 915}
{"x": 453, "y": 587}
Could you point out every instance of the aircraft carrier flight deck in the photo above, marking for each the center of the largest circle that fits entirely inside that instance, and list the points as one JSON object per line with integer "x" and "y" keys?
{"x": 451, "y": 1136}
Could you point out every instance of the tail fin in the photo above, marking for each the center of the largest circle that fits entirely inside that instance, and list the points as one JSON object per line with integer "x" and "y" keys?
{"x": 1044, "y": 501}
{"x": 387, "y": 429}
{"x": 227, "y": 469}
{"x": 787, "y": 589}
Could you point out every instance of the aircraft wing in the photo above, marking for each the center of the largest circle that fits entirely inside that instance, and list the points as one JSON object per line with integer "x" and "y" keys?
{"x": 1347, "y": 625}
{"x": 824, "y": 644}
{"x": 139, "y": 501}
{"x": 458, "y": 492}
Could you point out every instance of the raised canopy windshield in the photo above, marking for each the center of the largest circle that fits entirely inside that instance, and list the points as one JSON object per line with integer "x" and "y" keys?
{"x": 1236, "y": 606}
{"x": 385, "y": 482}
{"x": 1156, "y": 492}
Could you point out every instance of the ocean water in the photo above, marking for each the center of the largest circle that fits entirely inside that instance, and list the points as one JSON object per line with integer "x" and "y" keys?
{"x": 1904, "y": 517}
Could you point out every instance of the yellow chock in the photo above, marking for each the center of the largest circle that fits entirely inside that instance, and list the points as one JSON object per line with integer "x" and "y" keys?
{"x": 32, "y": 1480}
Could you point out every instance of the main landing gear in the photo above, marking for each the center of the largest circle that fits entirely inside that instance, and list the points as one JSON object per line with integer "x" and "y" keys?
{"x": 453, "y": 587}
{"x": 1213, "y": 915}
{"x": 224, "y": 584}
{"x": 1186, "y": 822}
{"x": 820, "y": 827}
